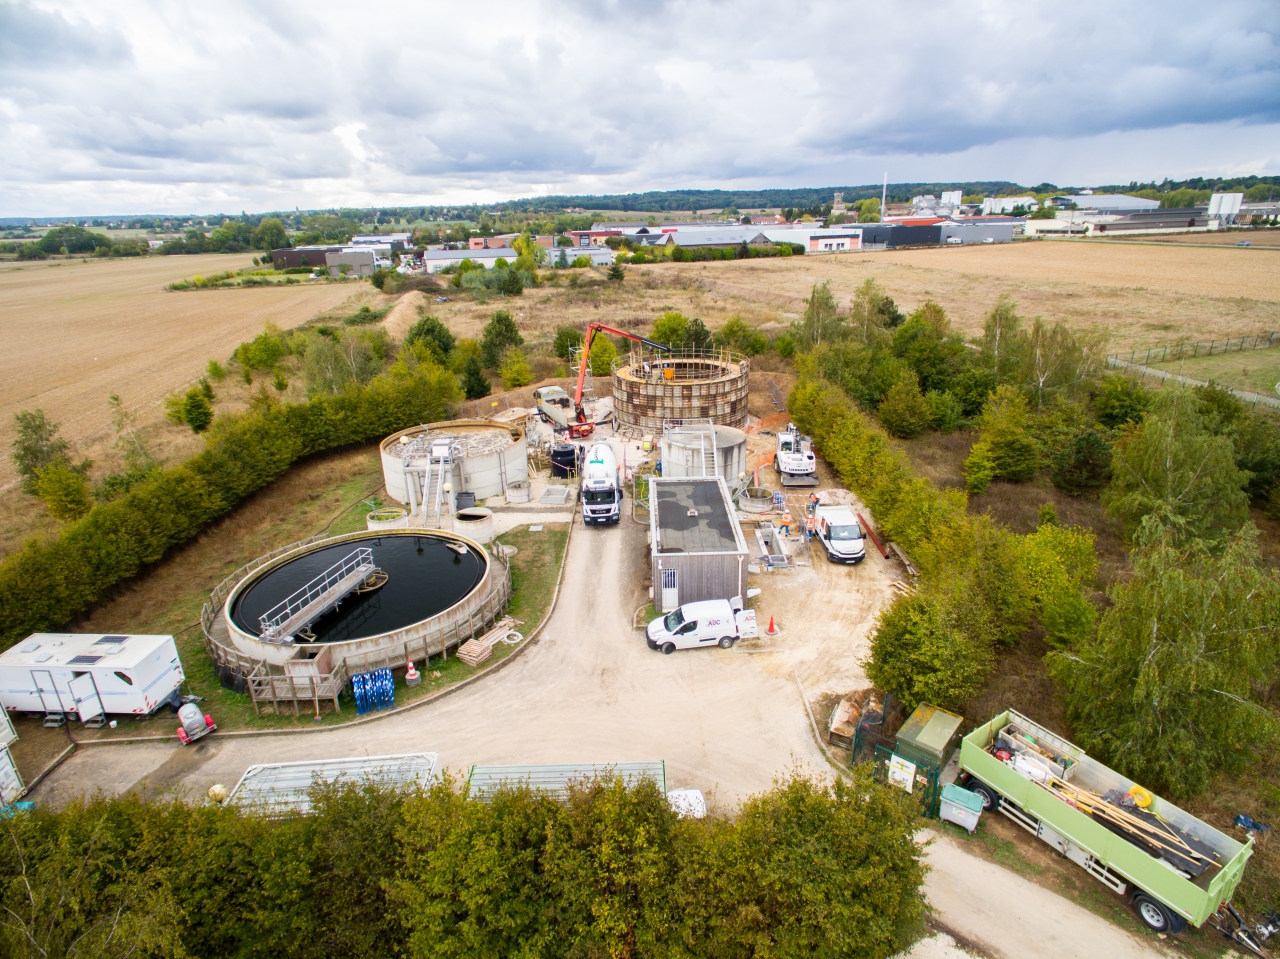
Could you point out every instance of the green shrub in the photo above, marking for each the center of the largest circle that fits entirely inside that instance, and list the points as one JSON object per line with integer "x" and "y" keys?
{"x": 499, "y": 333}
{"x": 603, "y": 354}
{"x": 216, "y": 370}
{"x": 785, "y": 344}
{"x": 474, "y": 383}
{"x": 430, "y": 329}
{"x": 1119, "y": 399}
{"x": 945, "y": 411}
{"x": 196, "y": 411}
{"x": 979, "y": 468}
{"x": 45, "y": 584}
{"x": 925, "y": 655}
{"x": 514, "y": 369}
{"x": 64, "y": 492}
{"x": 568, "y": 338}
{"x": 36, "y": 446}
{"x": 1084, "y": 465}
{"x": 264, "y": 351}
{"x": 903, "y": 411}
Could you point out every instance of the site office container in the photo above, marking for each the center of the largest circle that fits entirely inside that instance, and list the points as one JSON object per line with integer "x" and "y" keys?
{"x": 87, "y": 675}
{"x": 1110, "y": 858}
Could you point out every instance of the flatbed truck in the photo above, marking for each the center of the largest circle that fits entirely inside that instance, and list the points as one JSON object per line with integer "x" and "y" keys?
{"x": 1165, "y": 897}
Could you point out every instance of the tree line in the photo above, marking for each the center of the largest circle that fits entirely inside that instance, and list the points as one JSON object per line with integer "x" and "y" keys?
{"x": 805, "y": 868}
{"x": 1170, "y": 682}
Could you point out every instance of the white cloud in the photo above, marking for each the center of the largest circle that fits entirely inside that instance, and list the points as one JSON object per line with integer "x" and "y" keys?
{"x": 152, "y": 106}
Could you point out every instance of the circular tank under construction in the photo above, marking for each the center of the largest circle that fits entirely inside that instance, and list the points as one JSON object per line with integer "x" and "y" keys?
{"x": 651, "y": 388}
{"x": 360, "y": 600}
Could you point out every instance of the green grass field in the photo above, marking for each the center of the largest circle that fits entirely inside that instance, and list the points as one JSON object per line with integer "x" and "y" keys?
{"x": 1255, "y": 370}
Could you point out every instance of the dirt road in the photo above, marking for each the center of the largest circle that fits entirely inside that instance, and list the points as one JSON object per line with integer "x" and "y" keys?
{"x": 1012, "y": 918}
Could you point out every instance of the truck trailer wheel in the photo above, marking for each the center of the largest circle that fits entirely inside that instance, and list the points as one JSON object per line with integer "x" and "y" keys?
{"x": 726, "y": 642}
{"x": 1156, "y": 916}
{"x": 668, "y": 648}
{"x": 990, "y": 798}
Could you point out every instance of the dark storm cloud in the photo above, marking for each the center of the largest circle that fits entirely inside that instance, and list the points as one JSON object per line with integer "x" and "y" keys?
{"x": 284, "y": 103}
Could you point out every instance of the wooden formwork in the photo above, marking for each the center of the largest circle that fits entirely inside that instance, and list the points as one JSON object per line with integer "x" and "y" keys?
{"x": 649, "y": 389}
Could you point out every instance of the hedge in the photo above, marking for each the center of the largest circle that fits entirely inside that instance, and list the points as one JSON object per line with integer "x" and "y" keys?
{"x": 45, "y": 584}
{"x": 805, "y": 869}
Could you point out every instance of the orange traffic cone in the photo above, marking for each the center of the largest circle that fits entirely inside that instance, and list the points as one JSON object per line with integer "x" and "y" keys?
{"x": 773, "y": 629}
{"x": 412, "y": 677}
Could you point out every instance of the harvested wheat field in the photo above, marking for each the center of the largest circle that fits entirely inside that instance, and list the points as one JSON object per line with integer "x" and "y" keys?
{"x": 73, "y": 332}
{"x": 1137, "y": 294}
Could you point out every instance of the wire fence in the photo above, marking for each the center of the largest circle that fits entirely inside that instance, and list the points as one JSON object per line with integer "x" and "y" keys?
{"x": 1189, "y": 351}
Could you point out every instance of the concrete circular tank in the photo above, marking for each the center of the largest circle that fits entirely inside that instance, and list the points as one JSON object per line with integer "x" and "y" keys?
{"x": 432, "y": 590}
{"x": 482, "y": 457}
{"x": 651, "y": 388}
{"x": 684, "y": 450}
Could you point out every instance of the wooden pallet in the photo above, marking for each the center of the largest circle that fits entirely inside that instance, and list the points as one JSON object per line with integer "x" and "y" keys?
{"x": 474, "y": 652}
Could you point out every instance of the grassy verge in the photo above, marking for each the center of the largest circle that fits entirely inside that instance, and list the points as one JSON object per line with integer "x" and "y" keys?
{"x": 1255, "y": 370}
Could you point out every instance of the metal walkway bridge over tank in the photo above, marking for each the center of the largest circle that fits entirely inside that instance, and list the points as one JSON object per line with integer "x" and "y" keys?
{"x": 310, "y": 602}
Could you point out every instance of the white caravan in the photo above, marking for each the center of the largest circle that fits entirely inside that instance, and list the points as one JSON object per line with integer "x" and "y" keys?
{"x": 711, "y": 622}
{"x": 87, "y": 676}
{"x": 601, "y": 486}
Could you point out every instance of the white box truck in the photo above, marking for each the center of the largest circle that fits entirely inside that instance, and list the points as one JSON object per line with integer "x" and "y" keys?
{"x": 711, "y": 622}
{"x": 90, "y": 675}
{"x": 601, "y": 486}
{"x": 840, "y": 533}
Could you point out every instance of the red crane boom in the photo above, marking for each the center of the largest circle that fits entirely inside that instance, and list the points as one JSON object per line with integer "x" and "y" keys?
{"x": 584, "y": 427}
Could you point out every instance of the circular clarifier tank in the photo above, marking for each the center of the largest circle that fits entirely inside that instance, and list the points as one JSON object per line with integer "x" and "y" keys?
{"x": 425, "y": 576}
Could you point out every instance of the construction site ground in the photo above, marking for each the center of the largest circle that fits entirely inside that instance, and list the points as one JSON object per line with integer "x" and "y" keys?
{"x": 725, "y": 721}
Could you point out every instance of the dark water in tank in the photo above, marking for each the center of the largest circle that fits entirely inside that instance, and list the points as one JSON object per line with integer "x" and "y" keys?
{"x": 425, "y": 578}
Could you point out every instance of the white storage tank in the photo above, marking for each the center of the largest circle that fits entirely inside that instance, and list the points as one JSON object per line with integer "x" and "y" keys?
{"x": 685, "y": 449}
{"x": 483, "y": 458}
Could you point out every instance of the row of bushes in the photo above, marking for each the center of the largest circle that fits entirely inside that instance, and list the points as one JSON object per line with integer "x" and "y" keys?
{"x": 45, "y": 584}
{"x": 981, "y": 586}
{"x": 805, "y": 869}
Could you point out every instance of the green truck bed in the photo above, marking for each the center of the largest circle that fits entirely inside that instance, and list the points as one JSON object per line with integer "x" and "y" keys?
{"x": 1108, "y": 856}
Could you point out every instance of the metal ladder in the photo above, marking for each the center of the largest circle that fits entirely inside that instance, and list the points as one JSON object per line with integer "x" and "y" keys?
{"x": 710, "y": 464}
{"x": 440, "y": 460}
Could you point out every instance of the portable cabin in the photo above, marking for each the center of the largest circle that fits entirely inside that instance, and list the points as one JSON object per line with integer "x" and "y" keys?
{"x": 11, "y": 786}
{"x": 90, "y": 675}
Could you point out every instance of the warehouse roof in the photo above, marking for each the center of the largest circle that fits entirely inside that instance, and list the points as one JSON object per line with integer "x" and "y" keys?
{"x": 554, "y": 779}
{"x": 283, "y": 787}
{"x": 693, "y": 516}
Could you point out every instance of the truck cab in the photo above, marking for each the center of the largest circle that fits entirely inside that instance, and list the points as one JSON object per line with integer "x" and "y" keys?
{"x": 601, "y": 486}
{"x": 555, "y": 405}
{"x": 840, "y": 534}
{"x": 711, "y": 622}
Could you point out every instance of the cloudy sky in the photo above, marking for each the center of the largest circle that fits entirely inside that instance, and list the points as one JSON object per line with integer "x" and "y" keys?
{"x": 171, "y": 107}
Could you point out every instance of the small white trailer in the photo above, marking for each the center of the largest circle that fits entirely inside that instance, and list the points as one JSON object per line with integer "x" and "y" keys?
{"x": 88, "y": 676}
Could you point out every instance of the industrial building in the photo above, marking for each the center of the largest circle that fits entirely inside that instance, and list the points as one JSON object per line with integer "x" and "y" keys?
{"x": 293, "y": 258}
{"x": 697, "y": 549}
{"x": 357, "y": 262}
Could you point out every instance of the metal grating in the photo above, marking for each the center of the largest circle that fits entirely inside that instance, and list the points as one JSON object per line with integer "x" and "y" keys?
{"x": 110, "y": 640}
{"x": 285, "y": 787}
{"x": 556, "y": 778}
{"x": 83, "y": 660}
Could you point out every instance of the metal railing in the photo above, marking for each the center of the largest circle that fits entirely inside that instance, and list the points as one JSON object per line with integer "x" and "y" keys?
{"x": 324, "y": 587}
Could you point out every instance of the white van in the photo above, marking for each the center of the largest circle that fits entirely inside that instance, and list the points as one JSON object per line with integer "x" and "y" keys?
{"x": 711, "y": 622}
{"x": 840, "y": 534}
